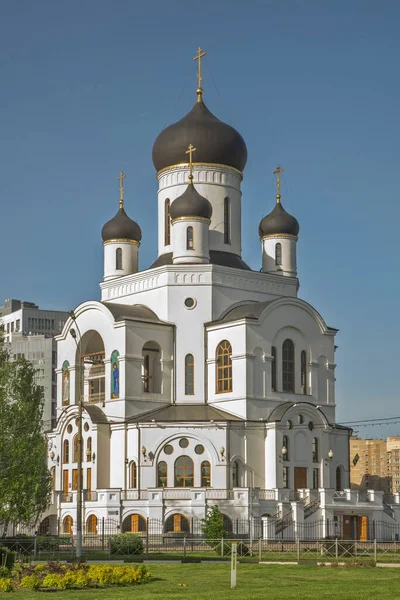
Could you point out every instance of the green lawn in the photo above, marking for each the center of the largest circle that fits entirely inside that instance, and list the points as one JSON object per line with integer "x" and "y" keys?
{"x": 256, "y": 582}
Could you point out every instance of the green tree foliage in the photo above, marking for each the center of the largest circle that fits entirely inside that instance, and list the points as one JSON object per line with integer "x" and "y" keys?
{"x": 213, "y": 526}
{"x": 25, "y": 482}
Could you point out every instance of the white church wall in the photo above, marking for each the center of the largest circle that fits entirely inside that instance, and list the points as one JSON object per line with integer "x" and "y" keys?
{"x": 128, "y": 261}
{"x": 214, "y": 182}
{"x": 199, "y": 252}
{"x": 288, "y": 266}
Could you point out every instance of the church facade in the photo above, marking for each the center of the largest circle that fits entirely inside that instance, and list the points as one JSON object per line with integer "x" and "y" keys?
{"x": 203, "y": 382}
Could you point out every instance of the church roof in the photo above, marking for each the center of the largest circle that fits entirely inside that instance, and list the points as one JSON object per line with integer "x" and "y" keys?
{"x": 185, "y": 413}
{"x": 278, "y": 222}
{"x": 191, "y": 204}
{"x": 137, "y": 312}
{"x": 252, "y": 310}
{"x": 217, "y": 257}
{"x": 216, "y": 142}
{"x": 95, "y": 413}
{"x": 121, "y": 227}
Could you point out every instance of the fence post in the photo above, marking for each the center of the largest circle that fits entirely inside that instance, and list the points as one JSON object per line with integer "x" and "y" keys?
{"x": 222, "y": 547}
{"x": 375, "y": 551}
{"x": 58, "y": 527}
{"x": 298, "y": 549}
{"x": 72, "y": 546}
{"x": 102, "y": 534}
{"x": 184, "y": 547}
{"x": 147, "y": 539}
{"x": 259, "y": 549}
{"x": 109, "y": 548}
{"x": 35, "y": 548}
{"x": 355, "y": 547}
{"x": 336, "y": 548}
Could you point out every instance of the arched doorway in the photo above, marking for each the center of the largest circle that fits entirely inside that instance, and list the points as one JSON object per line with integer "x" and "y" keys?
{"x": 151, "y": 374}
{"x": 227, "y": 523}
{"x": 177, "y": 524}
{"x": 67, "y": 525}
{"x": 92, "y": 361}
{"x": 91, "y": 524}
{"x": 134, "y": 524}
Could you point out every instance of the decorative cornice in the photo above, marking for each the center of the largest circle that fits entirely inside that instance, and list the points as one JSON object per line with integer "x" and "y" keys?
{"x": 288, "y": 236}
{"x": 201, "y": 219}
{"x": 122, "y": 241}
{"x": 200, "y": 164}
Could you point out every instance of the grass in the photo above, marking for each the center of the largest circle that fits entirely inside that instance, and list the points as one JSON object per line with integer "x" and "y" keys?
{"x": 256, "y": 582}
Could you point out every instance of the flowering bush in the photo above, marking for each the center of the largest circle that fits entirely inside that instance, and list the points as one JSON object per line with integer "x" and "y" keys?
{"x": 62, "y": 577}
{"x": 6, "y": 585}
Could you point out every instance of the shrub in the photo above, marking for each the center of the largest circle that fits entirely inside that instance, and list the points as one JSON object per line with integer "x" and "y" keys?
{"x": 4, "y": 572}
{"x": 213, "y": 526}
{"x": 7, "y": 557}
{"x": 126, "y": 543}
{"x": 30, "y": 582}
{"x": 6, "y": 585}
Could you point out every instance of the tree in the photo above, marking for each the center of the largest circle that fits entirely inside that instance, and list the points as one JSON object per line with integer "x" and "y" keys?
{"x": 213, "y": 526}
{"x": 25, "y": 481}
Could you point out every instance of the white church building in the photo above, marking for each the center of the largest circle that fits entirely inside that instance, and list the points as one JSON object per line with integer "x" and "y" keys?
{"x": 203, "y": 381}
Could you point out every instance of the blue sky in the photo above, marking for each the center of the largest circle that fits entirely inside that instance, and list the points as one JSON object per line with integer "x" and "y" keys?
{"x": 313, "y": 85}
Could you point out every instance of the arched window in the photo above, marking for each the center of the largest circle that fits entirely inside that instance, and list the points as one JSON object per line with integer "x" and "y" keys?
{"x": 167, "y": 222}
{"x": 205, "y": 474}
{"x": 89, "y": 449}
{"x": 133, "y": 474}
{"x": 278, "y": 254}
{"x": 315, "y": 450}
{"x": 162, "y": 474}
{"x": 224, "y": 367}
{"x": 183, "y": 472}
{"x": 285, "y": 444}
{"x": 273, "y": 369}
{"x": 339, "y": 482}
{"x": 288, "y": 366}
{"x": 235, "y": 474}
{"x": 227, "y": 221}
{"x": 146, "y": 373}
{"x": 118, "y": 258}
{"x": 44, "y": 527}
{"x": 189, "y": 239}
{"x": 67, "y": 525}
{"x": 303, "y": 366}
{"x": 189, "y": 374}
{"x": 76, "y": 449}
{"x": 227, "y": 523}
{"x": 66, "y": 452}
{"x": 177, "y": 524}
{"x": 91, "y": 524}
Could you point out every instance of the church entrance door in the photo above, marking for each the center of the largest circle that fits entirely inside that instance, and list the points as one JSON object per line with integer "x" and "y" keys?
{"x": 300, "y": 478}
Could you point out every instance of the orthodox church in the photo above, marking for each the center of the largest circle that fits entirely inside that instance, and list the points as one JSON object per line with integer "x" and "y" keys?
{"x": 203, "y": 382}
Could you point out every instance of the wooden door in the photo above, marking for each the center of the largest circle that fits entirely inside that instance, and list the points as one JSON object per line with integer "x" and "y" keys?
{"x": 89, "y": 480}
{"x": 135, "y": 523}
{"x": 65, "y": 481}
{"x": 74, "y": 479}
{"x": 362, "y": 528}
{"x": 347, "y": 527}
{"x": 300, "y": 478}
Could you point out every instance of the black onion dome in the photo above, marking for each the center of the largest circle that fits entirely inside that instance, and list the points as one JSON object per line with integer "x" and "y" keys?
{"x": 190, "y": 204}
{"x": 216, "y": 142}
{"x": 121, "y": 227}
{"x": 278, "y": 221}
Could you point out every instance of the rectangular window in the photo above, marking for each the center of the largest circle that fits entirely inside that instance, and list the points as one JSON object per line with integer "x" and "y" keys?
{"x": 12, "y": 327}
{"x": 286, "y": 477}
{"x": 8, "y": 327}
{"x": 189, "y": 239}
{"x": 18, "y": 325}
{"x": 65, "y": 481}
{"x": 227, "y": 233}
{"x": 74, "y": 479}
{"x": 315, "y": 478}
{"x": 89, "y": 480}
{"x": 189, "y": 374}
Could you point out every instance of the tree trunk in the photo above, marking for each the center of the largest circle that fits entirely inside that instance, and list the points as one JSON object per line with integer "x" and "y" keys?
{"x": 5, "y": 527}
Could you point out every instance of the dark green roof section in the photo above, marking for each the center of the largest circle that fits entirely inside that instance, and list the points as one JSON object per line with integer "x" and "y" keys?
{"x": 185, "y": 413}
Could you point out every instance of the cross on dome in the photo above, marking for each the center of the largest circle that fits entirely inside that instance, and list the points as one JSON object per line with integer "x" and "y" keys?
{"x": 121, "y": 188}
{"x": 278, "y": 172}
{"x": 190, "y": 151}
{"x": 198, "y": 57}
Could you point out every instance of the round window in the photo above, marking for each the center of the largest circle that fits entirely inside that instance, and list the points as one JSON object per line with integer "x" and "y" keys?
{"x": 77, "y": 422}
{"x": 184, "y": 443}
{"x": 300, "y": 419}
{"x": 69, "y": 428}
{"x": 168, "y": 449}
{"x": 190, "y": 302}
{"x": 86, "y": 427}
{"x": 289, "y": 424}
{"x": 311, "y": 426}
{"x": 199, "y": 449}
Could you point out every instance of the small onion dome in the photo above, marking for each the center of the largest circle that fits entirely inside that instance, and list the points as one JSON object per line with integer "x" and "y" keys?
{"x": 190, "y": 204}
{"x": 216, "y": 141}
{"x": 278, "y": 221}
{"x": 121, "y": 227}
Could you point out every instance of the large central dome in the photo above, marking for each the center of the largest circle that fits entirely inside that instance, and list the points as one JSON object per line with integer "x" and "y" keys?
{"x": 216, "y": 142}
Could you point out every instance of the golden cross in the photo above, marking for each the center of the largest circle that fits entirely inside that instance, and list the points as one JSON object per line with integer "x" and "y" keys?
{"x": 199, "y": 56}
{"x": 121, "y": 188}
{"x": 190, "y": 151}
{"x": 278, "y": 181}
